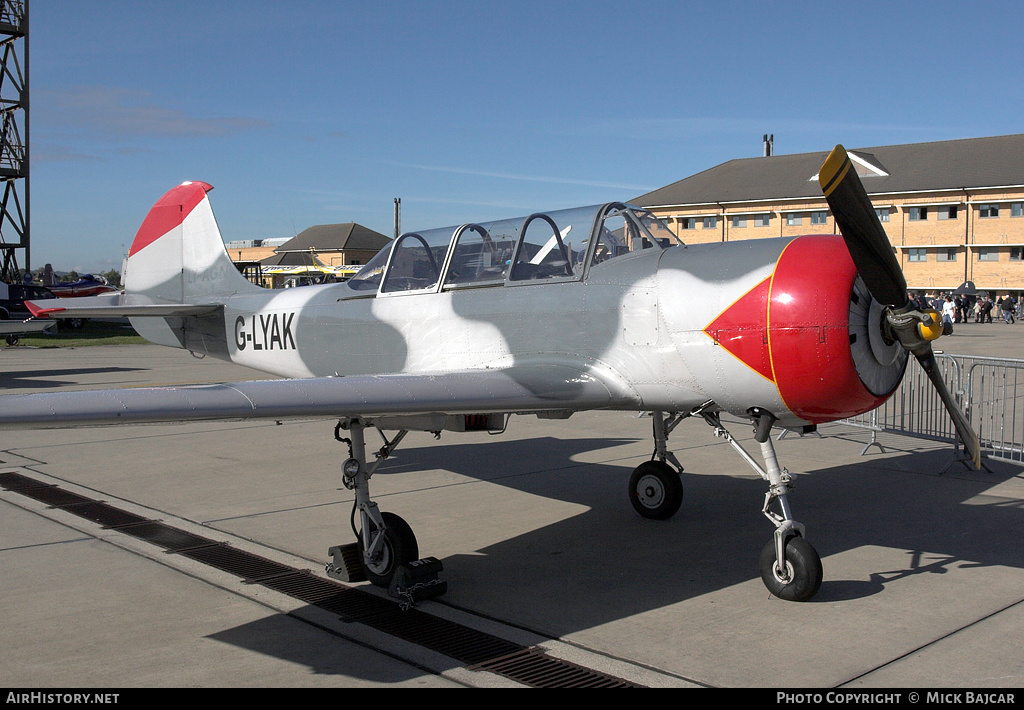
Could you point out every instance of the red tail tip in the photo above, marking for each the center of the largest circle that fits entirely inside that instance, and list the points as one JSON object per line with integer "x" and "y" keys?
{"x": 169, "y": 212}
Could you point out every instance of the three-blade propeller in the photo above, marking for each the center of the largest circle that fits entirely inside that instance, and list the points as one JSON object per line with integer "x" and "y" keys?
{"x": 875, "y": 261}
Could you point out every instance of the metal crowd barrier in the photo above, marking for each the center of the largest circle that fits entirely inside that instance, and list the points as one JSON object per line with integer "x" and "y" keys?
{"x": 990, "y": 390}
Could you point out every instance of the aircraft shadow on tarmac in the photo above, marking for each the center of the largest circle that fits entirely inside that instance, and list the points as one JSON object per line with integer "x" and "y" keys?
{"x": 714, "y": 540}
{"x": 52, "y": 379}
{"x": 607, "y": 564}
{"x": 280, "y": 636}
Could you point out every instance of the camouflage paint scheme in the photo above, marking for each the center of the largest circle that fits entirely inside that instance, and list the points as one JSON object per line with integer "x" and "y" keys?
{"x": 777, "y": 324}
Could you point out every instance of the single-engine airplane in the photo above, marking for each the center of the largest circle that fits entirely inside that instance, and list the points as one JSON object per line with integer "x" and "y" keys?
{"x": 458, "y": 328}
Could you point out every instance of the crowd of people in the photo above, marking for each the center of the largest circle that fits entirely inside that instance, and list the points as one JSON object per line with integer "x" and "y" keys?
{"x": 961, "y": 308}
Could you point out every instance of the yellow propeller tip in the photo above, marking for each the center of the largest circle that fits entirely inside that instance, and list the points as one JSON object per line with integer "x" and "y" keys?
{"x": 834, "y": 169}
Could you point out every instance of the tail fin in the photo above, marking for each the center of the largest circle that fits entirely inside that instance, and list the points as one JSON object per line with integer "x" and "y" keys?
{"x": 178, "y": 255}
{"x": 178, "y": 259}
{"x": 177, "y": 278}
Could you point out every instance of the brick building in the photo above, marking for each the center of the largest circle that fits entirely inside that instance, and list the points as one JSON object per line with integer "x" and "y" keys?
{"x": 323, "y": 247}
{"x": 953, "y": 210}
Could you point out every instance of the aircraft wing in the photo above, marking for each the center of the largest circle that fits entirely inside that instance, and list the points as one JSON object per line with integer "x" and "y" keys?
{"x": 516, "y": 389}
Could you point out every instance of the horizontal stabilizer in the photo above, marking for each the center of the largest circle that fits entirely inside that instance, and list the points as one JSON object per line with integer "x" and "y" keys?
{"x": 112, "y": 305}
{"x": 538, "y": 388}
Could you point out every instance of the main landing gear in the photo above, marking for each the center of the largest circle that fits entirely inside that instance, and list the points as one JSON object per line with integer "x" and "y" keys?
{"x": 790, "y": 567}
{"x": 655, "y": 489}
{"x": 385, "y": 552}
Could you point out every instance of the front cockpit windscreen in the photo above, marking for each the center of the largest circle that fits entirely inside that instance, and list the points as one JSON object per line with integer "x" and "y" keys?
{"x": 655, "y": 228}
{"x": 625, "y": 230}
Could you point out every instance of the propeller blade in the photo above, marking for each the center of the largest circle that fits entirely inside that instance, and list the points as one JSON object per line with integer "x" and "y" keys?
{"x": 970, "y": 439}
{"x": 854, "y": 214}
{"x": 878, "y": 267}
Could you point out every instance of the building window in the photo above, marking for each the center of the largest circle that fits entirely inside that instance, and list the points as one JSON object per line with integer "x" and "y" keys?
{"x": 988, "y": 254}
{"x": 917, "y": 255}
{"x": 710, "y": 222}
{"x": 739, "y": 222}
{"x": 794, "y": 219}
{"x": 947, "y": 212}
{"x": 917, "y": 214}
{"x": 946, "y": 254}
{"x": 1017, "y": 209}
{"x": 883, "y": 214}
{"x": 822, "y": 217}
{"x": 687, "y": 222}
{"x": 989, "y": 210}
{"x": 1016, "y": 254}
{"x": 761, "y": 220}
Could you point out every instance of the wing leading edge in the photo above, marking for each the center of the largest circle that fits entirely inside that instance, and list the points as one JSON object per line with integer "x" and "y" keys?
{"x": 517, "y": 389}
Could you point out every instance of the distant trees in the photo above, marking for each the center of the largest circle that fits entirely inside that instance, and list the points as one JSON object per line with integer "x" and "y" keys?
{"x": 113, "y": 277}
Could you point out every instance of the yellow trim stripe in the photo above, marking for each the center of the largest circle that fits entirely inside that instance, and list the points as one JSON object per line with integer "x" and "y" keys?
{"x": 768, "y": 322}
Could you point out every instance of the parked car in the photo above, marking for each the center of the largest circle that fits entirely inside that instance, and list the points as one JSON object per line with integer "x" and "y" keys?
{"x": 13, "y": 297}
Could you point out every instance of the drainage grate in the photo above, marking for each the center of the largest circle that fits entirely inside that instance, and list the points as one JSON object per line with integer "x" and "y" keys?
{"x": 478, "y": 650}
{"x": 171, "y": 539}
{"x": 532, "y": 667}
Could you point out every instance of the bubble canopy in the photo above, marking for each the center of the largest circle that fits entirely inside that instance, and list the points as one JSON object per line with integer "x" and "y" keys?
{"x": 553, "y": 246}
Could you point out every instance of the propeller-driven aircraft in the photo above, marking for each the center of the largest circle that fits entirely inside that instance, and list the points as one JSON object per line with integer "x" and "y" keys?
{"x": 557, "y": 312}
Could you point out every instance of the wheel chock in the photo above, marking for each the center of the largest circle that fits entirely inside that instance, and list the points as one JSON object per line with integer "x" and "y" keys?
{"x": 346, "y": 563}
{"x": 418, "y": 580}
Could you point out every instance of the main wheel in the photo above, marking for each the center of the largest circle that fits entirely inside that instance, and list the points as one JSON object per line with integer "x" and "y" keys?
{"x": 655, "y": 490}
{"x": 399, "y": 547}
{"x": 802, "y": 577}
{"x": 71, "y": 323}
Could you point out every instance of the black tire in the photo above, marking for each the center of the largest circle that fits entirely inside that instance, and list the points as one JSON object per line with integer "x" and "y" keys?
{"x": 71, "y": 323}
{"x": 12, "y": 339}
{"x": 399, "y": 548}
{"x": 803, "y": 574}
{"x": 655, "y": 490}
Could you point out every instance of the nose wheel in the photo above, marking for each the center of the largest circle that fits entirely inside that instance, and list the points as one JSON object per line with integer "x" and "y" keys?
{"x": 790, "y": 567}
{"x": 800, "y": 578}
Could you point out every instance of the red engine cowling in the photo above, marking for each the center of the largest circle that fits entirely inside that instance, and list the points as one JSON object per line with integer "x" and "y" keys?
{"x": 821, "y": 339}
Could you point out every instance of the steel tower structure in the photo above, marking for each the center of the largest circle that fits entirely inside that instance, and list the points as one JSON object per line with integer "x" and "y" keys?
{"x": 14, "y": 156}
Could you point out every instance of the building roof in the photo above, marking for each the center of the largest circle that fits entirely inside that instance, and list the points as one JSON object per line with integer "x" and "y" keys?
{"x": 970, "y": 163}
{"x": 292, "y": 258}
{"x": 336, "y": 237}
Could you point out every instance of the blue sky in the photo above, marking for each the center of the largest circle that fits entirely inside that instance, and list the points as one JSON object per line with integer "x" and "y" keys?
{"x": 305, "y": 113}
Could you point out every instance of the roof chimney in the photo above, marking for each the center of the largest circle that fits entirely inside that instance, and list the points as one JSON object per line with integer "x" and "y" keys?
{"x": 769, "y": 142}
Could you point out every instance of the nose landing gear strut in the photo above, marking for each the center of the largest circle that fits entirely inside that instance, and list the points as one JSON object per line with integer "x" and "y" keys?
{"x": 790, "y": 566}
